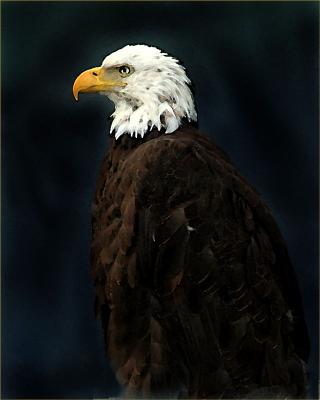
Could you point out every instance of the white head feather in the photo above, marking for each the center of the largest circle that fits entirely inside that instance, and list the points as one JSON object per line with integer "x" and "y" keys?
{"x": 157, "y": 93}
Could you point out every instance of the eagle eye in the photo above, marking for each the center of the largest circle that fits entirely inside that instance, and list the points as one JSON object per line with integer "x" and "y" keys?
{"x": 124, "y": 70}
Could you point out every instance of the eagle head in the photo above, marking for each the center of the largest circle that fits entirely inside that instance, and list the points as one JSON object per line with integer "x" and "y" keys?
{"x": 148, "y": 87}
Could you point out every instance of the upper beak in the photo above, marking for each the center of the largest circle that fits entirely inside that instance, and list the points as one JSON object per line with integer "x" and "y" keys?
{"x": 93, "y": 80}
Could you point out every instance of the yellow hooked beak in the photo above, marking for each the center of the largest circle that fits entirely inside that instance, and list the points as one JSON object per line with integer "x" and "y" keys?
{"x": 94, "y": 80}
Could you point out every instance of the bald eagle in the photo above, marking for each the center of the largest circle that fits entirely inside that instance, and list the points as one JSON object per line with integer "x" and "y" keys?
{"x": 194, "y": 286}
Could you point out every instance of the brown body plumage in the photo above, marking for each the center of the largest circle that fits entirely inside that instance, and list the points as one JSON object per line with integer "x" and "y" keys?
{"x": 194, "y": 286}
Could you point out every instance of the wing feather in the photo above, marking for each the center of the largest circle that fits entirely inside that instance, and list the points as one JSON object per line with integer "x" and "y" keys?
{"x": 196, "y": 275}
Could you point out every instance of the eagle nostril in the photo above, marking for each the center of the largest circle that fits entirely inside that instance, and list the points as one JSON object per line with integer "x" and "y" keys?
{"x": 94, "y": 73}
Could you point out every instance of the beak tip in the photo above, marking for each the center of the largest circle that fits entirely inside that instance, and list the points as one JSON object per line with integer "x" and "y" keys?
{"x": 76, "y": 96}
{"x": 75, "y": 90}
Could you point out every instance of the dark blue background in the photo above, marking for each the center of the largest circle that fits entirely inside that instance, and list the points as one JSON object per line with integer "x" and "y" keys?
{"x": 255, "y": 71}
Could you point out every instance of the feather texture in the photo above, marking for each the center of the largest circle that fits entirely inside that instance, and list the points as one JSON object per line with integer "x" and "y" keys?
{"x": 157, "y": 94}
{"x": 194, "y": 285}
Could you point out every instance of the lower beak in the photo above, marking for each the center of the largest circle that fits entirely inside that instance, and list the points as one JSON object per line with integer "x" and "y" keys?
{"x": 93, "y": 81}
